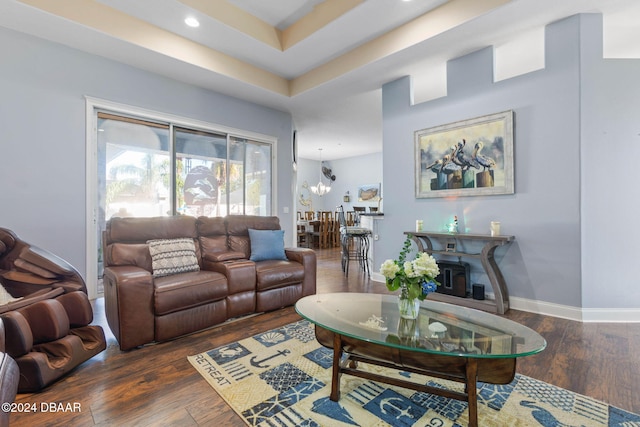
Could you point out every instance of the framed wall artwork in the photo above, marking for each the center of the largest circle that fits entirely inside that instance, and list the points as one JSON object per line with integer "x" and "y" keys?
{"x": 369, "y": 193}
{"x": 304, "y": 197}
{"x": 472, "y": 157}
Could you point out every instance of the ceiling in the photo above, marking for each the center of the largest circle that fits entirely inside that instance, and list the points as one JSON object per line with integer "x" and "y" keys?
{"x": 322, "y": 60}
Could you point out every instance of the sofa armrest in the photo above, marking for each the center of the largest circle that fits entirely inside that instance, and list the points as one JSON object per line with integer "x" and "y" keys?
{"x": 128, "y": 295}
{"x": 306, "y": 257}
{"x": 301, "y": 255}
{"x": 223, "y": 256}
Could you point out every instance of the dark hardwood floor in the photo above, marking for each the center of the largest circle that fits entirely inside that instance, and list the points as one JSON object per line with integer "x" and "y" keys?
{"x": 156, "y": 385}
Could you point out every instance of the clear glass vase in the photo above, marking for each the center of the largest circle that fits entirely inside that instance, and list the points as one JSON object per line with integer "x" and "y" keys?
{"x": 409, "y": 307}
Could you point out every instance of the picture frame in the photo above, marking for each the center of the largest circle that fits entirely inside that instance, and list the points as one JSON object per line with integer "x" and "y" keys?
{"x": 369, "y": 193}
{"x": 471, "y": 157}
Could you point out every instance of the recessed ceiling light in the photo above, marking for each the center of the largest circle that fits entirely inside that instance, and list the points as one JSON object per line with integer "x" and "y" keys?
{"x": 192, "y": 22}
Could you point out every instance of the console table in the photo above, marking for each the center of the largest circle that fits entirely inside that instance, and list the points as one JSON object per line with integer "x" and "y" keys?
{"x": 500, "y": 305}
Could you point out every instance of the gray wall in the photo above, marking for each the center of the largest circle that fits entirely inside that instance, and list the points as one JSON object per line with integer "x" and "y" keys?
{"x": 564, "y": 213}
{"x": 610, "y": 192}
{"x": 42, "y": 140}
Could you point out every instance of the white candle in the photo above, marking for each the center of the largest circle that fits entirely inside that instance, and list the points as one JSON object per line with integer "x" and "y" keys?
{"x": 495, "y": 228}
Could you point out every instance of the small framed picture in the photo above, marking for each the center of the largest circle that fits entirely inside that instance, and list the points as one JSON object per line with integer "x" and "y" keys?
{"x": 451, "y": 247}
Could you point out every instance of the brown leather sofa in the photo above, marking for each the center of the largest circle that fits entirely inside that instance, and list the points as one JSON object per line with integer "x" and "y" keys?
{"x": 48, "y": 331}
{"x": 9, "y": 377}
{"x": 142, "y": 307}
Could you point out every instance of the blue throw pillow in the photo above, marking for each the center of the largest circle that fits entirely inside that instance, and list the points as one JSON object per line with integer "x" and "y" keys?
{"x": 267, "y": 244}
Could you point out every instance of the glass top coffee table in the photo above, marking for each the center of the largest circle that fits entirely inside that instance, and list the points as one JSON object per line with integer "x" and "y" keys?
{"x": 445, "y": 341}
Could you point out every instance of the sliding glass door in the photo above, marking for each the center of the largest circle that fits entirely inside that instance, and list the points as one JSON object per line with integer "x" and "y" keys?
{"x": 134, "y": 170}
{"x": 253, "y": 162}
{"x": 148, "y": 167}
{"x": 157, "y": 169}
{"x": 201, "y": 169}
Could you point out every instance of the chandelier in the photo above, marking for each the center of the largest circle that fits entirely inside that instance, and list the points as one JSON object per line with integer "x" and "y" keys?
{"x": 320, "y": 189}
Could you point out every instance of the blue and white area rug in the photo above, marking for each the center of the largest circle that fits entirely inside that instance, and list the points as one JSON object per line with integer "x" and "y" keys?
{"x": 283, "y": 378}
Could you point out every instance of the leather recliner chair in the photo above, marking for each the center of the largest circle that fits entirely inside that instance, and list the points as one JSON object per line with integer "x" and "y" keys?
{"x": 48, "y": 331}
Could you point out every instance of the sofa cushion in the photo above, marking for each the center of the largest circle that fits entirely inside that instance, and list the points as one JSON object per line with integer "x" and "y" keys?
{"x": 182, "y": 291}
{"x": 238, "y": 230}
{"x": 139, "y": 230}
{"x": 172, "y": 256}
{"x": 267, "y": 244}
{"x": 212, "y": 233}
{"x": 275, "y": 273}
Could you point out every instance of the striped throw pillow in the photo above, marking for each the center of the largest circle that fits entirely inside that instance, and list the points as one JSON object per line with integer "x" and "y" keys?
{"x": 172, "y": 256}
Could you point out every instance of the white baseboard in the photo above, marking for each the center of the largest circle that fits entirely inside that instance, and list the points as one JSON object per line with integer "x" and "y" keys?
{"x": 377, "y": 277}
{"x": 546, "y": 308}
{"x": 624, "y": 315}
{"x": 587, "y": 315}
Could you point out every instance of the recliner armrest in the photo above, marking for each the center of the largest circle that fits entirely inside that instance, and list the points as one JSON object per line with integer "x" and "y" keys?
{"x": 306, "y": 257}
{"x": 129, "y": 305}
{"x": 302, "y": 255}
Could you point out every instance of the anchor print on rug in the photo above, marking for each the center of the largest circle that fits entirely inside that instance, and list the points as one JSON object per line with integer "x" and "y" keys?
{"x": 259, "y": 361}
{"x": 395, "y": 408}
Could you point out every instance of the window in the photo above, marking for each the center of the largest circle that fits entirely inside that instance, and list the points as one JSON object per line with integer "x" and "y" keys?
{"x": 201, "y": 172}
{"x": 255, "y": 174}
{"x": 147, "y": 168}
{"x": 134, "y": 170}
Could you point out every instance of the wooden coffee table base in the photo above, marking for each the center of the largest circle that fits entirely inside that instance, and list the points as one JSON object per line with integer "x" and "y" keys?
{"x": 467, "y": 370}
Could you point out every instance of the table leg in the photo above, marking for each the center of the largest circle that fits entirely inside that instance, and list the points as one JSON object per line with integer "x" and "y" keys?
{"x": 472, "y": 391}
{"x": 335, "y": 376}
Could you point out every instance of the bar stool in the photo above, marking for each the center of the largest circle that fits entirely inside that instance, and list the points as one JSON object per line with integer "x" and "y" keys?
{"x": 354, "y": 244}
{"x": 303, "y": 235}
